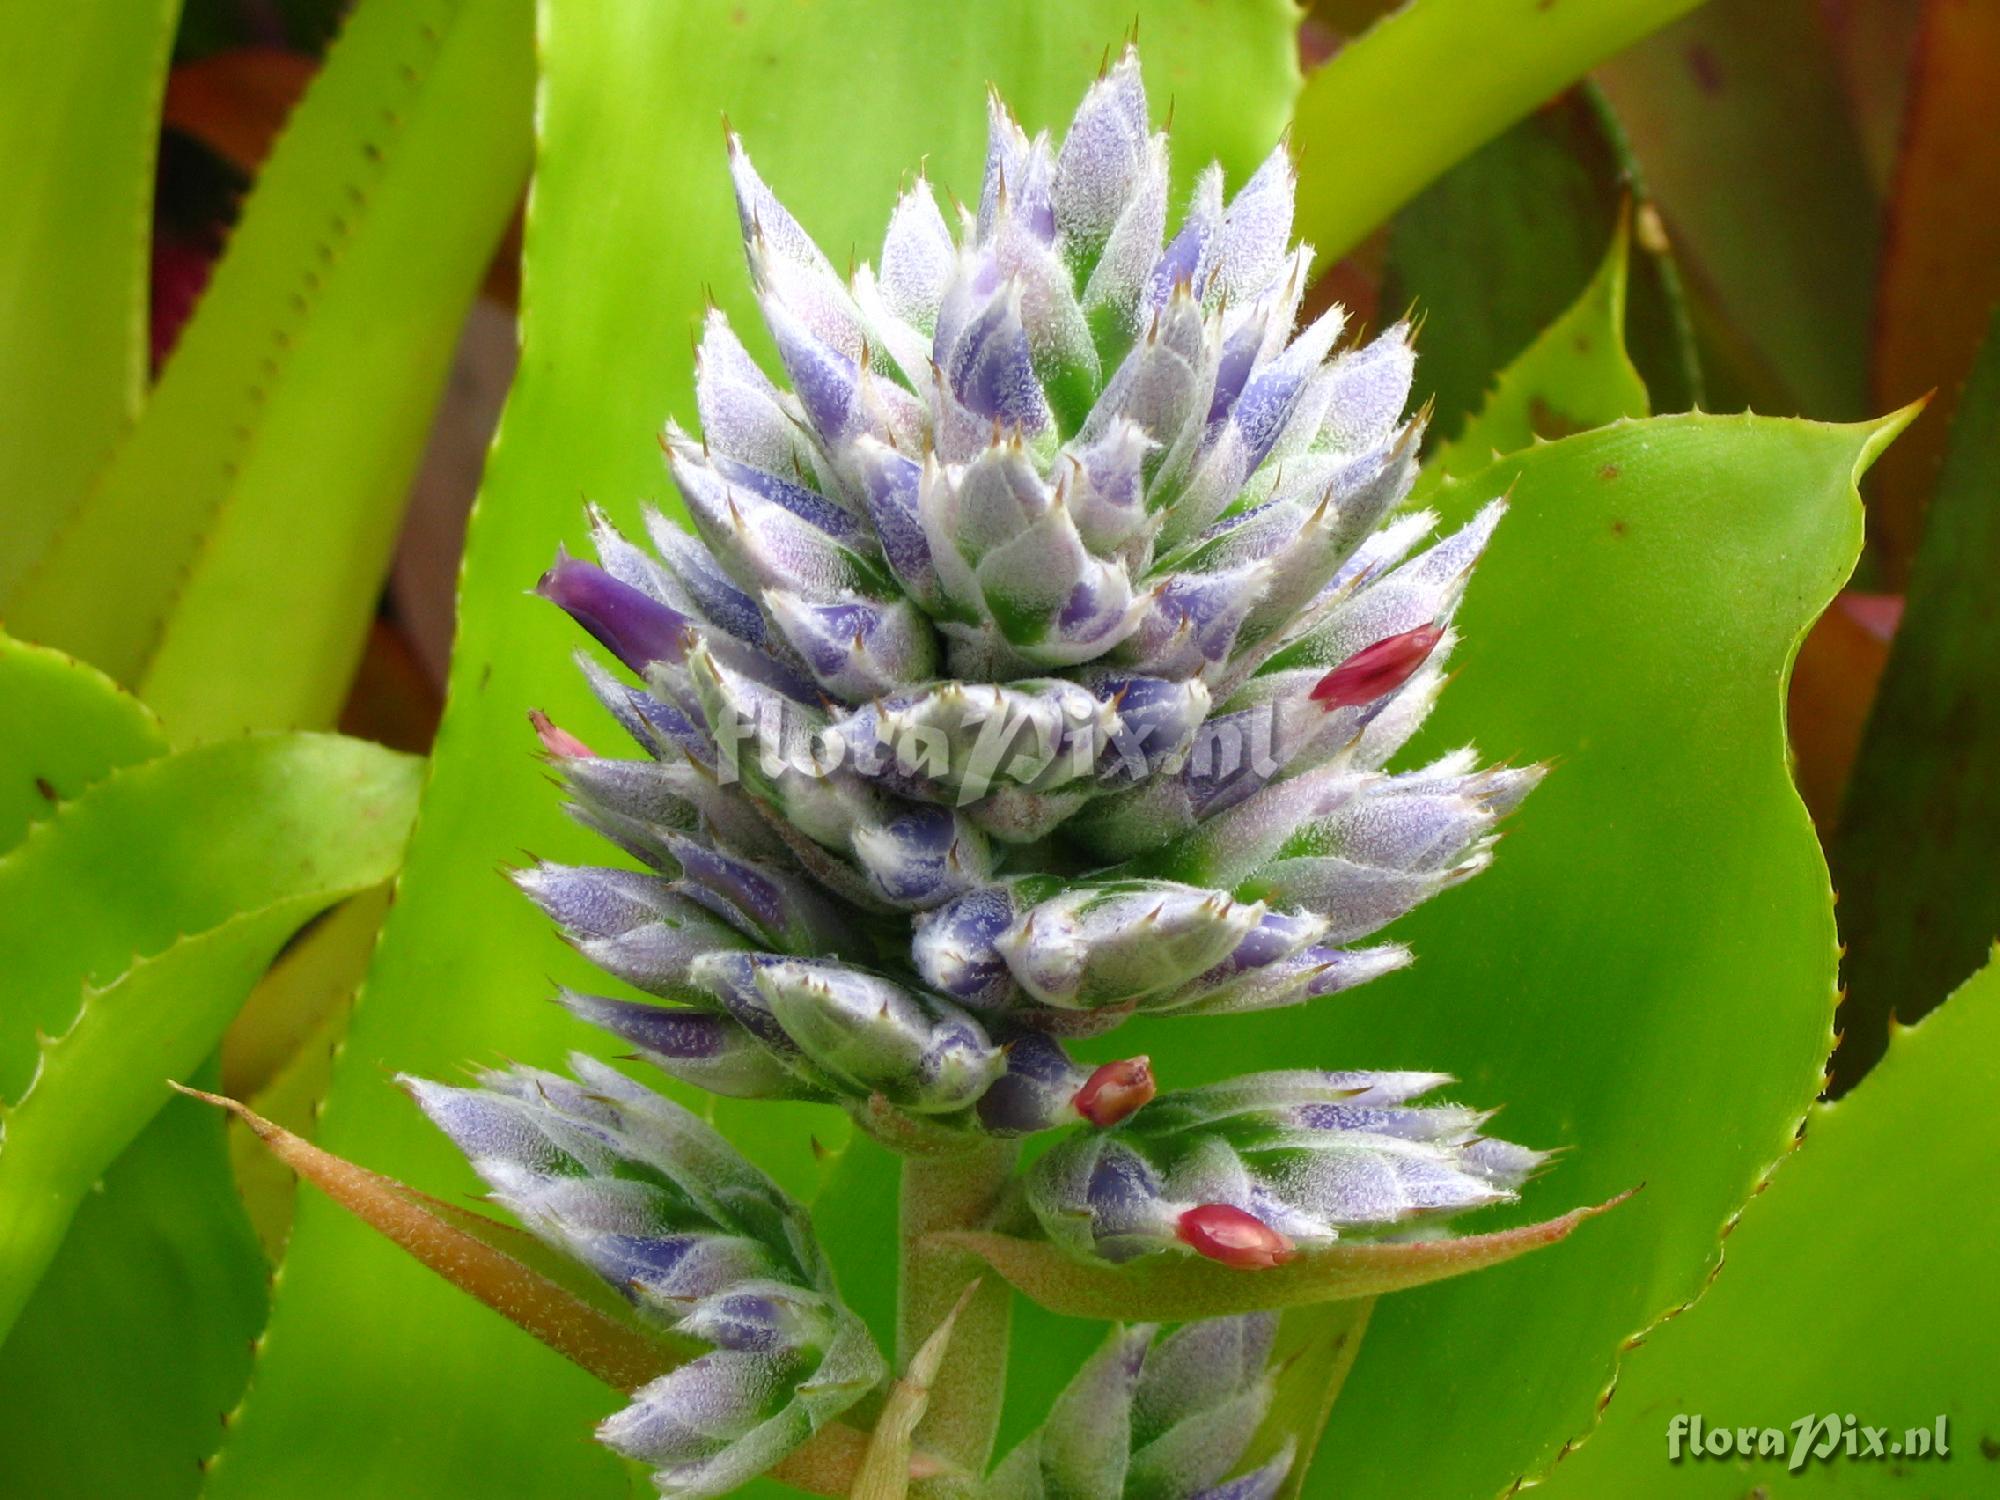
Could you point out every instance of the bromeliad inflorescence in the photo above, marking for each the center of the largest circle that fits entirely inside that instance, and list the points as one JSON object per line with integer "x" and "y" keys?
{"x": 1034, "y": 665}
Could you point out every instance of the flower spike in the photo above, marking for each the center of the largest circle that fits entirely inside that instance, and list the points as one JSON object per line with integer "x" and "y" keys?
{"x": 1050, "y": 622}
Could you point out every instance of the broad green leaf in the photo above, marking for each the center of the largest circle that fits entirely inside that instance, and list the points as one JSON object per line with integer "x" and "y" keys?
{"x": 278, "y": 1052}
{"x": 1646, "y": 975}
{"x": 100, "y": 1082}
{"x": 1431, "y": 82}
{"x": 1724, "y": 111}
{"x": 138, "y": 1338}
{"x": 62, "y": 726}
{"x": 1495, "y": 250}
{"x": 135, "y": 920}
{"x": 82, "y": 89}
{"x": 1861, "y": 1282}
{"x": 1913, "y": 860}
{"x": 227, "y": 562}
{"x": 1940, "y": 267}
{"x": 291, "y": 1099}
{"x": 1574, "y": 376}
{"x": 631, "y": 219}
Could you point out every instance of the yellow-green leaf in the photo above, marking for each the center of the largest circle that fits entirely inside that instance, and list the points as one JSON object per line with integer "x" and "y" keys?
{"x": 82, "y": 84}
{"x": 1427, "y": 84}
{"x": 227, "y": 561}
{"x": 136, "y": 919}
{"x": 1574, "y": 376}
{"x": 62, "y": 726}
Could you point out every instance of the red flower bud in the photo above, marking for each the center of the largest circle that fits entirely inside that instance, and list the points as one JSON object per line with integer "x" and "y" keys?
{"x": 1234, "y": 1238}
{"x": 1378, "y": 669}
{"x": 558, "y": 742}
{"x": 1116, "y": 1091}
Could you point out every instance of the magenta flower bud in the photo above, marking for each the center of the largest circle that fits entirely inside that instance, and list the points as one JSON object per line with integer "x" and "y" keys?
{"x": 1115, "y": 1091}
{"x": 1234, "y": 1238}
{"x": 1378, "y": 670}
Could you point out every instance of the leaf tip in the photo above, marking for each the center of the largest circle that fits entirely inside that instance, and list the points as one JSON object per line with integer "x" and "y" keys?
{"x": 1878, "y": 434}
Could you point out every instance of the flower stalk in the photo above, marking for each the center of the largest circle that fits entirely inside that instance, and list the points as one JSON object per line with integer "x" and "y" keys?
{"x": 939, "y": 1194}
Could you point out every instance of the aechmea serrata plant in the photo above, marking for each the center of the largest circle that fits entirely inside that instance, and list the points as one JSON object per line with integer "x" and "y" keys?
{"x": 1036, "y": 662}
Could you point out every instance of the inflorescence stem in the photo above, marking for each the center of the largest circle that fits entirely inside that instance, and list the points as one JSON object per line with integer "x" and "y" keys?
{"x": 958, "y": 1190}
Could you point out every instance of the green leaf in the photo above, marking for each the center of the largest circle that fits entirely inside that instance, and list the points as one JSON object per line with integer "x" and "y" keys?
{"x": 149, "y": 1307}
{"x": 138, "y": 1337}
{"x": 1913, "y": 861}
{"x": 1861, "y": 1282}
{"x": 100, "y": 1082}
{"x": 178, "y": 846}
{"x": 1173, "y": 1288}
{"x": 303, "y": 997}
{"x": 632, "y": 217}
{"x": 135, "y": 920}
{"x": 1496, "y": 249}
{"x": 62, "y": 726}
{"x": 291, "y": 1098}
{"x": 1574, "y": 376}
{"x": 1428, "y": 84}
{"x": 228, "y": 560}
{"x": 1722, "y": 110}
{"x": 1646, "y": 975}
{"x": 82, "y": 84}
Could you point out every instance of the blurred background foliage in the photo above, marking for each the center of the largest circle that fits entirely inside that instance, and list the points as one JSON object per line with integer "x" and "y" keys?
{"x": 262, "y": 276}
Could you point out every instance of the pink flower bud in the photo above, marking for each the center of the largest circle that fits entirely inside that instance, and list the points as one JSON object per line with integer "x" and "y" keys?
{"x": 1378, "y": 669}
{"x": 1234, "y": 1238}
{"x": 1115, "y": 1091}
{"x": 557, "y": 741}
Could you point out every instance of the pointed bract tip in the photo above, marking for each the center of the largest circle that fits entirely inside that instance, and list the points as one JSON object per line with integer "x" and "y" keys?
{"x": 218, "y": 1100}
{"x": 260, "y": 1127}
{"x": 1116, "y": 1091}
{"x": 1233, "y": 1238}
